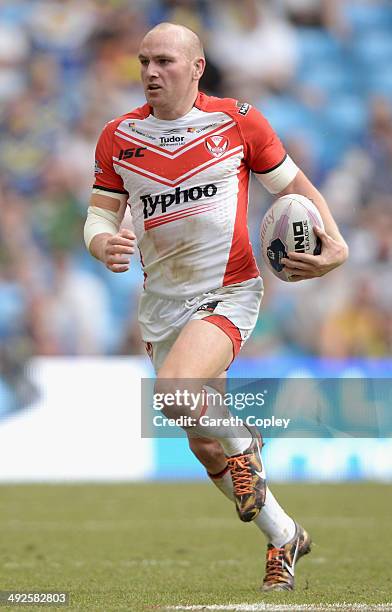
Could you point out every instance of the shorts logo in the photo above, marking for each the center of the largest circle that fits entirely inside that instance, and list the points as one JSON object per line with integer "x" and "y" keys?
{"x": 217, "y": 145}
{"x": 243, "y": 108}
{"x": 208, "y": 307}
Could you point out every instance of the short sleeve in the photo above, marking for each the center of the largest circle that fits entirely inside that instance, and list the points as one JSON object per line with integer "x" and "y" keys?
{"x": 105, "y": 176}
{"x": 263, "y": 149}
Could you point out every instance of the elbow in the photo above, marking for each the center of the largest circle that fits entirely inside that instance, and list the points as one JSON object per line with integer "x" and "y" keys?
{"x": 344, "y": 251}
{"x": 99, "y": 221}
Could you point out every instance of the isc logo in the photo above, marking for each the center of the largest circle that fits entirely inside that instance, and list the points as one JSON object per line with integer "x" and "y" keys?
{"x": 127, "y": 153}
{"x": 301, "y": 236}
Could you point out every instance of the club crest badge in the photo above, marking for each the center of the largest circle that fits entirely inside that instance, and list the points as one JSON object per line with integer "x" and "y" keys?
{"x": 217, "y": 145}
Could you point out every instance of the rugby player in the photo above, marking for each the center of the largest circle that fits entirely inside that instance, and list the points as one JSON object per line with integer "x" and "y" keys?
{"x": 182, "y": 163}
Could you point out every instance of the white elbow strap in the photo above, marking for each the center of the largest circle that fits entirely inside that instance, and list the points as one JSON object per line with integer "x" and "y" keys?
{"x": 277, "y": 179}
{"x": 100, "y": 221}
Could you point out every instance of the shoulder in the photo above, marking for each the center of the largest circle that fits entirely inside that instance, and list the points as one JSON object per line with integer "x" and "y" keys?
{"x": 142, "y": 112}
{"x": 240, "y": 111}
{"x": 212, "y": 104}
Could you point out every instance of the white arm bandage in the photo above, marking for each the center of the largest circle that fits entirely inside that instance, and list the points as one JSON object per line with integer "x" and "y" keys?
{"x": 100, "y": 221}
{"x": 277, "y": 179}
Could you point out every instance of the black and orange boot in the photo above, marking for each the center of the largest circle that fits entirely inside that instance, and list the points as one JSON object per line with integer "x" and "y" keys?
{"x": 248, "y": 476}
{"x": 279, "y": 569}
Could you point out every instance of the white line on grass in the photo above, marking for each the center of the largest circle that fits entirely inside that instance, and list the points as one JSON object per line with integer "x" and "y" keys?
{"x": 265, "y": 607}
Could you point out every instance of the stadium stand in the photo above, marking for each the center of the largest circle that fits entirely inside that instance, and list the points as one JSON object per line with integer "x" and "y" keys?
{"x": 67, "y": 68}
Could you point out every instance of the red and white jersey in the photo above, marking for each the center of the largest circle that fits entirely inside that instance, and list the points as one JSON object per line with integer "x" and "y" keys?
{"x": 186, "y": 182}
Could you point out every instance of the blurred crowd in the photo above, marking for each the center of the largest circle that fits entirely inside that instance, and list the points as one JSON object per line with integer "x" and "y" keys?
{"x": 318, "y": 69}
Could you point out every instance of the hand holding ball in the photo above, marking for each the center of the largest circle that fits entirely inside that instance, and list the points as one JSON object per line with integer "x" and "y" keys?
{"x": 288, "y": 226}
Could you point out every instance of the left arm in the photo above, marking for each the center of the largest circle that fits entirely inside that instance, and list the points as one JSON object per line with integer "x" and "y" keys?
{"x": 334, "y": 250}
{"x": 277, "y": 172}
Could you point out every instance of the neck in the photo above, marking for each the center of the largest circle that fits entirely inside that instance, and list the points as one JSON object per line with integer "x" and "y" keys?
{"x": 170, "y": 113}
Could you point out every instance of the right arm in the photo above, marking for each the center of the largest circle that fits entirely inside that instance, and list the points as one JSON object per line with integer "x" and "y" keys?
{"x": 108, "y": 202}
{"x": 102, "y": 234}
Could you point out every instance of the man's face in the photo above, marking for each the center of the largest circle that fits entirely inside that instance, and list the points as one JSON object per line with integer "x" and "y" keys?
{"x": 167, "y": 71}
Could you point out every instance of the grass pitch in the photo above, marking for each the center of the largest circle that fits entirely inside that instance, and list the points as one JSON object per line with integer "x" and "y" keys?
{"x": 140, "y": 547}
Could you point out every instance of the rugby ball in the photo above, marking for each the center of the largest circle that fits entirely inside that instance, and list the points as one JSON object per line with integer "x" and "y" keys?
{"x": 288, "y": 226}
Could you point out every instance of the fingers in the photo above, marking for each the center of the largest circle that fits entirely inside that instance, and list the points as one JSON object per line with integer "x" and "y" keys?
{"x": 301, "y": 266}
{"x": 117, "y": 258}
{"x": 301, "y": 270}
{"x": 121, "y": 244}
{"x": 295, "y": 265}
{"x": 118, "y": 250}
{"x": 118, "y": 267}
{"x": 126, "y": 233}
{"x": 294, "y": 278}
{"x": 122, "y": 239}
{"x": 115, "y": 249}
{"x": 299, "y": 275}
{"x": 301, "y": 257}
{"x": 118, "y": 263}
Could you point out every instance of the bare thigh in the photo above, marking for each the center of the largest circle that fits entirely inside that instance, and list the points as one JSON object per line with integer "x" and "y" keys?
{"x": 201, "y": 351}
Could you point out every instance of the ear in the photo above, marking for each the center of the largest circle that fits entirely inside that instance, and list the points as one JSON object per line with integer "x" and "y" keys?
{"x": 199, "y": 65}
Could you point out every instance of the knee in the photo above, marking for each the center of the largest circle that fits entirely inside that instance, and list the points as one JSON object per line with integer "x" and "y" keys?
{"x": 178, "y": 395}
{"x": 164, "y": 393}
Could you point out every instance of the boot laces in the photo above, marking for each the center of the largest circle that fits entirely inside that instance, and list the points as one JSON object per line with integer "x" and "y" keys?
{"x": 274, "y": 567}
{"x": 241, "y": 474}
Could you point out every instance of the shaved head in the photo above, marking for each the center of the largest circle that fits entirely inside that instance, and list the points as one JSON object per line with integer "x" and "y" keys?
{"x": 180, "y": 36}
{"x": 172, "y": 63}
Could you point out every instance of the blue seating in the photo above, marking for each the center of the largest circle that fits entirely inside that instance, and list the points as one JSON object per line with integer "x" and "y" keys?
{"x": 373, "y": 50}
{"x": 291, "y": 119}
{"x": 327, "y": 77}
{"x": 379, "y": 82}
{"x": 7, "y": 399}
{"x": 317, "y": 45}
{"x": 284, "y": 113}
{"x": 365, "y": 17}
{"x": 347, "y": 114}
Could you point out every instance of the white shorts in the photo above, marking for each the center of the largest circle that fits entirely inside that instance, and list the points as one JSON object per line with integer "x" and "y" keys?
{"x": 234, "y": 309}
